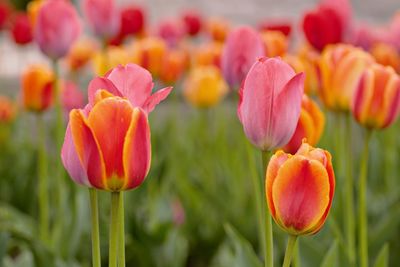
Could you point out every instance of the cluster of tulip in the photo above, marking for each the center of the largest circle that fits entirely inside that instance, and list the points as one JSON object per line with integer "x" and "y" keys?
{"x": 352, "y": 70}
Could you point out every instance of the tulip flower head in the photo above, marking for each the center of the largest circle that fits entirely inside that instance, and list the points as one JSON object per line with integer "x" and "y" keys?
{"x": 204, "y": 86}
{"x": 300, "y": 189}
{"x": 386, "y": 55}
{"x": 57, "y": 27}
{"x": 310, "y": 126}
{"x": 270, "y": 103}
{"x": 72, "y": 97}
{"x": 22, "y": 30}
{"x": 193, "y": 22}
{"x": 208, "y": 54}
{"x": 376, "y": 101}
{"x": 283, "y": 26}
{"x": 276, "y": 43}
{"x": 242, "y": 48}
{"x": 217, "y": 29}
{"x": 37, "y": 88}
{"x": 112, "y": 57}
{"x": 173, "y": 66}
{"x": 172, "y": 31}
{"x": 119, "y": 159}
{"x": 103, "y": 17}
{"x": 80, "y": 54}
{"x": 4, "y": 13}
{"x": 132, "y": 21}
{"x": 7, "y": 110}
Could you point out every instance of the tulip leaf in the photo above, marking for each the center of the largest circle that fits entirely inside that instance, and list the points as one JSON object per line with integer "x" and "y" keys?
{"x": 331, "y": 257}
{"x": 382, "y": 260}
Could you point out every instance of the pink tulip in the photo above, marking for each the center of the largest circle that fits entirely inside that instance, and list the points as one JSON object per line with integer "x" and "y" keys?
{"x": 172, "y": 31}
{"x": 72, "y": 97}
{"x": 131, "y": 85}
{"x": 103, "y": 16}
{"x": 270, "y": 103}
{"x": 242, "y": 48}
{"x": 57, "y": 27}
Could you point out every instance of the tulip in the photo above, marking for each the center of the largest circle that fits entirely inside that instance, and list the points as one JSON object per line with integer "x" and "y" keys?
{"x": 204, "y": 86}
{"x": 56, "y": 29}
{"x": 242, "y": 48}
{"x": 310, "y": 126}
{"x": 307, "y": 175}
{"x": 275, "y": 43}
{"x": 33, "y": 8}
{"x": 283, "y": 26}
{"x": 343, "y": 10}
{"x": 4, "y": 13}
{"x": 310, "y": 61}
{"x": 270, "y": 103}
{"x": 113, "y": 56}
{"x": 21, "y": 30}
{"x": 217, "y": 29}
{"x": 132, "y": 21}
{"x": 7, "y": 110}
{"x": 376, "y": 101}
{"x": 80, "y": 54}
{"x": 103, "y": 17}
{"x": 173, "y": 66}
{"x": 37, "y": 88}
{"x": 193, "y": 22}
{"x": 341, "y": 67}
{"x": 322, "y": 26}
{"x": 387, "y": 55}
{"x": 208, "y": 54}
{"x": 172, "y": 31}
{"x": 72, "y": 97}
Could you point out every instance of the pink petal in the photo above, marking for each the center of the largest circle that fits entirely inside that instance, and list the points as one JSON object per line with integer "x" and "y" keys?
{"x": 156, "y": 98}
{"x": 98, "y": 84}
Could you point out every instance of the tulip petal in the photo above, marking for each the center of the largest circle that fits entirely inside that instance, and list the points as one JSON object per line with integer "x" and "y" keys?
{"x": 156, "y": 98}
{"x": 137, "y": 150}
{"x": 301, "y": 193}
{"x": 133, "y": 81}
{"x": 101, "y": 83}
{"x": 110, "y": 119}
{"x": 87, "y": 149}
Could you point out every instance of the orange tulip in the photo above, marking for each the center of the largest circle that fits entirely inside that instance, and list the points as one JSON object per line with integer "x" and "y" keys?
{"x": 173, "y": 66}
{"x": 276, "y": 43}
{"x": 310, "y": 126}
{"x": 387, "y": 55}
{"x": 208, "y": 54}
{"x": 114, "y": 56}
{"x": 33, "y": 9}
{"x": 7, "y": 110}
{"x": 218, "y": 29}
{"x": 80, "y": 54}
{"x": 341, "y": 67}
{"x": 37, "y": 88}
{"x": 310, "y": 59}
{"x": 376, "y": 102}
{"x": 204, "y": 86}
{"x": 300, "y": 189}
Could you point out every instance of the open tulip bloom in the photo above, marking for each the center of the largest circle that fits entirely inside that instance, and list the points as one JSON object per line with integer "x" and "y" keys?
{"x": 107, "y": 144}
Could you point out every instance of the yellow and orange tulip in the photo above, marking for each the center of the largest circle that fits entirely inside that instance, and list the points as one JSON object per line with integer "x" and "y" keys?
{"x": 276, "y": 43}
{"x": 173, "y": 66}
{"x": 114, "y": 56}
{"x": 376, "y": 102}
{"x": 7, "y": 110}
{"x": 208, "y": 54}
{"x": 300, "y": 189}
{"x": 387, "y": 55}
{"x": 80, "y": 54}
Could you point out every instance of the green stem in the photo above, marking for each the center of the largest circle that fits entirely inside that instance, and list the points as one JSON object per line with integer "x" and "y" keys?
{"x": 121, "y": 248}
{"x": 96, "y": 256}
{"x": 43, "y": 188}
{"x": 269, "y": 243}
{"x": 363, "y": 216}
{"x": 114, "y": 229}
{"x": 349, "y": 195}
{"x": 289, "y": 250}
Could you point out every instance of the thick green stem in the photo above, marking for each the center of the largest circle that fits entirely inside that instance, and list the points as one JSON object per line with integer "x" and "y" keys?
{"x": 121, "y": 249}
{"x": 258, "y": 198}
{"x": 96, "y": 256}
{"x": 362, "y": 209}
{"x": 43, "y": 187}
{"x": 349, "y": 195}
{"x": 269, "y": 242}
{"x": 289, "y": 250}
{"x": 114, "y": 229}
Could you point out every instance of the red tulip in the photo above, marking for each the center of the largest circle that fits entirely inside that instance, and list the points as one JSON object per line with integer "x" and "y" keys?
{"x": 193, "y": 22}
{"x": 270, "y": 103}
{"x": 103, "y": 17}
{"x": 323, "y": 26}
{"x": 22, "y": 29}
{"x": 57, "y": 27}
{"x": 284, "y": 27}
{"x": 118, "y": 159}
{"x": 242, "y": 48}
{"x": 4, "y": 13}
{"x": 132, "y": 21}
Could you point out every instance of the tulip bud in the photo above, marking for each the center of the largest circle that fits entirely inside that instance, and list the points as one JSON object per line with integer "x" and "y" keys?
{"x": 284, "y": 26}
{"x": 275, "y": 43}
{"x": 132, "y": 21}
{"x": 22, "y": 30}
{"x": 217, "y": 29}
{"x": 341, "y": 67}
{"x": 270, "y": 103}
{"x": 204, "y": 86}
{"x": 193, "y": 22}
{"x": 4, "y": 13}
{"x": 173, "y": 66}
{"x": 57, "y": 27}
{"x": 208, "y": 54}
{"x": 37, "y": 88}
{"x": 113, "y": 56}
{"x": 300, "y": 189}
{"x": 242, "y": 48}
{"x": 310, "y": 126}
{"x": 80, "y": 54}
{"x": 376, "y": 101}
{"x": 7, "y": 110}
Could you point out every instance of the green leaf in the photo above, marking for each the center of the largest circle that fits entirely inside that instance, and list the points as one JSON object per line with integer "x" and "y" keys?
{"x": 331, "y": 257}
{"x": 382, "y": 260}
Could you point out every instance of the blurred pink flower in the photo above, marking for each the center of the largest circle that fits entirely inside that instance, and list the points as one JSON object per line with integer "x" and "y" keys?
{"x": 171, "y": 30}
{"x": 72, "y": 97}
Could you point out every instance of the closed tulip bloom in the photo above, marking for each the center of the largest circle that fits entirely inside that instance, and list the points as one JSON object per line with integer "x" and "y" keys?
{"x": 57, "y": 27}
{"x": 341, "y": 67}
{"x": 193, "y": 22}
{"x": 71, "y": 96}
{"x": 37, "y": 88}
{"x": 242, "y": 48}
{"x": 173, "y": 66}
{"x": 217, "y": 29}
{"x": 119, "y": 159}
{"x": 310, "y": 60}
{"x": 80, "y": 54}
{"x": 300, "y": 189}
{"x": 22, "y": 30}
{"x": 103, "y": 17}
{"x": 204, "y": 86}
{"x": 208, "y": 54}
{"x": 276, "y": 43}
{"x": 4, "y": 13}
{"x": 270, "y": 103}
{"x": 376, "y": 101}
{"x": 386, "y": 55}
{"x": 132, "y": 20}
{"x": 113, "y": 56}
{"x": 172, "y": 31}
{"x": 7, "y": 110}
{"x": 283, "y": 26}
{"x": 310, "y": 126}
